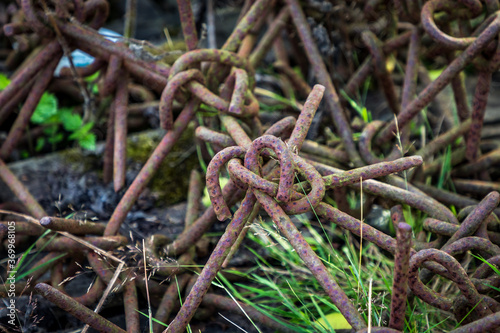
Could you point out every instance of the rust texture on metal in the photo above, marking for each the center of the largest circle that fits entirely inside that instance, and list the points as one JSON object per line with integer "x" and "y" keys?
{"x": 275, "y": 168}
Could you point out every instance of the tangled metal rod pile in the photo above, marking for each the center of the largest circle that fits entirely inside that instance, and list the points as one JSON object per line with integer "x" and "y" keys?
{"x": 224, "y": 79}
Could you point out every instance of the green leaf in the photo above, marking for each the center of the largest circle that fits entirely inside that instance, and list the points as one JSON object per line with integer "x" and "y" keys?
{"x": 82, "y": 131}
{"x": 56, "y": 138}
{"x": 24, "y": 256}
{"x": 34, "y": 269}
{"x": 93, "y": 77}
{"x": 40, "y": 142}
{"x": 46, "y": 108}
{"x": 154, "y": 319}
{"x": 206, "y": 198}
{"x": 434, "y": 73}
{"x": 87, "y": 141}
{"x": 70, "y": 121}
{"x": 4, "y": 81}
{"x": 335, "y": 320}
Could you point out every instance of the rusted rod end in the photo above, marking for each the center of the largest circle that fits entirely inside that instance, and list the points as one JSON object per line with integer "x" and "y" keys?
{"x": 223, "y": 213}
{"x": 417, "y": 160}
{"x": 46, "y": 221}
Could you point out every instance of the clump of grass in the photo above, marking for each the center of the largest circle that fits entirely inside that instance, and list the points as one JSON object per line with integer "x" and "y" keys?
{"x": 282, "y": 286}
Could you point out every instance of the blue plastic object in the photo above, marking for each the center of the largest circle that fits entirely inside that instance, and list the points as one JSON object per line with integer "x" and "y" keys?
{"x": 82, "y": 59}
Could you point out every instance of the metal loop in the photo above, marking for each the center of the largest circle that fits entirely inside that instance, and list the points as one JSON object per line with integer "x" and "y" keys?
{"x": 167, "y": 97}
{"x": 457, "y": 275}
{"x": 284, "y": 157}
{"x": 213, "y": 186}
{"x": 432, "y": 29}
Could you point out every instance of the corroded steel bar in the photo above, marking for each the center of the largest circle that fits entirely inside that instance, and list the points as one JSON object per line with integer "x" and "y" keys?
{"x": 334, "y": 291}
{"x": 305, "y": 118}
{"x": 444, "y": 140}
{"x": 94, "y": 11}
{"x": 484, "y": 270}
{"x": 472, "y": 243}
{"x": 169, "y": 300}
{"x": 448, "y": 229}
{"x": 411, "y": 70}
{"x": 365, "y": 144}
{"x": 211, "y": 136}
{"x": 44, "y": 264}
{"x": 460, "y": 93}
{"x": 245, "y": 25}
{"x": 252, "y": 19}
{"x": 213, "y": 265}
{"x": 108, "y": 83}
{"x": 372, "y": 171}
{"x": 418, "y": 201}
{"x": 319, "y": 68}
{"x": 286, "y": 163}
{"x": 457, "y": 156}
{"x": 8, "y": 107}
{"x": 103, "y": 269}
{"x": 220, "y": 104}
{"x": 21, "y": 192}
{"x": 469, "y": 226}
{"x": 235, "y": 131}
{"x": 354, "y": 225}
{"x": 380, "y": 64}
{"x": 431, "y": 28}
{"x": 414, "y": 198}
{"x": 175, "y": 82}
{"x": 120, "y": 135}
{"x": 107, "y": 159}
{"x": 458, "y": 275}
{"x": 76, "y": 309}
{"x": 378, "y": 330}
{"x": 478, "y": 187}
{"x": 166, "y": 267}
{"x": 149, "y": 169}
{"x": 212, "y": 177}
{"x": 400, "y": 280}
{"x": 22, "y": 228}
{"x": 90, "y": 41}
{"x": 397, "y": 216}
{"x": 299, "y": 84}
{"x": 92, "y": 294}
{"x": 358, "y": 77}
{"x": 76, "y": 227}
{"x": 33, "y": 66}
{"x": 228, "y": 304}
{"x": 84, "y": 71}
{"x": 240, "y": 88}
{"x": 62, "y": 244}
{"x": 477, "y": 117}
{"x": 28, "y": 107}
{"x": 272, "y": 32}
{"x": 299, "y": 203}
{"x": 282, "y": 128}
{"x": 314, "y": 148}
{"x": 190, "y": 236}
{"x": 193, "y": 199}
{"x": 131, "y": 304}
{"x": 448, "y": 197}
{"x": 242, "y": 235}
{"x": 485, "y": 324}
{"x": 437, "y": 85}
{"x": 483, "y": 163}
{"x": 188, "y": 24}
{"x": 220, "y": 56}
